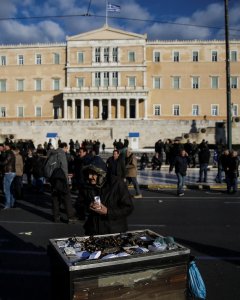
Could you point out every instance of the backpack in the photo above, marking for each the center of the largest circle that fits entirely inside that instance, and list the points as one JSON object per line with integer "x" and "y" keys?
{"x": 196, "y": 286}
{"x": 51, "y": 164}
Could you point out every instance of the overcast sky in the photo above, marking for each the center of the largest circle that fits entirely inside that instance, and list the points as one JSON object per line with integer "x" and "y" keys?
{"x": 32, "y": 21}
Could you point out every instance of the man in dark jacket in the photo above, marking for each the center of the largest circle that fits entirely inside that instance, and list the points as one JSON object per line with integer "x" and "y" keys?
{"x": 232, "y": 172}
{"x": 180, "y": 163}
{"x": 203, "y": 157}
{"x": 9, "y": 171}
{"x": 108, "y": 201}
{"x": 116, "y": 165}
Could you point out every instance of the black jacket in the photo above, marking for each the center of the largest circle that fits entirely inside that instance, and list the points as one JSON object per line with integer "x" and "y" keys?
{"x": 181, "y": 164}
{"x": 8, "y": 163}
{"x": 116, "y": 167}
{"x": 115, "y": 196}
{"x": 204, "y": 156}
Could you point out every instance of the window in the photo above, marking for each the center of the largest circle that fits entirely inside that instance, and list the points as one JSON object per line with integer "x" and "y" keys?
{"x": 115, "y": 54}
{"x": 38, "y": 85}
{"x": 20, "y": 85}
{"x": 176, "y": 109}
{"x": 56, "y": 84}
{"x": 131, "y": 56}
{"x": 214, "y": 56}
{"x": 233, "y": 56}
{"x": 20, "y": 111}
{"x": 214, "y": 110}
{"x": 156, "y": 56}
{"x": 20, "y": 60}
{"x": 195, "y": 82}
{"x": 98, "y": 54}
{"x": 2, "y": 112}
{"x": 38, "y": 111}
{"x": 97, "y": 79}
{"x": 115, "y": 79}
{"x": 80, "y": 82}
{"x": 3, "y": 60}
{"x": 3, "y": 84}
{"x": 176, "y": 82}
{"x": 132, "y": 81}
{"x": 106, "y": 79}
{"x": 156, "y": 82}
{"x": 38, "y": 59}
{"x": 157, "y": 110}
{"x": 56, "y": 58}
{"x": 195, "y": 56}
{"x": 234, "y": 110}
{"x": 80, "y": 57}
{"x": 175, "y": 56}
{"x": 106, "y": 54}
{"x": 214, "y": 83}
{"x": 195, "y": 110}
{"x": 234, "y": 82}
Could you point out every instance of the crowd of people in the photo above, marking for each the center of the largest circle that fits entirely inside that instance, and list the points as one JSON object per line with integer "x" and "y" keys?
{"x": 82, "y": 169}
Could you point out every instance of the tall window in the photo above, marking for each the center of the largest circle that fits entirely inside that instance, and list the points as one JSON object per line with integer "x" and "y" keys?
{"x": 195, "y": 110}
{"x": 214, "y": 110}
{"x": 131, "y": 56}
{"x": 98, "y": 54}
{"x": 80, "y": 82}
{"x": 176, "y": 82}
{"x": 234, "y": 110}
{"x": 115, "y": 54}
{"x": 3, "y": 84}
{"x": 132, "y": 81}
{"x": 176, "y": 109}
{"x": 56, "y": 84}
{"x": 234, "y": 82}
{"x": 195, "y": 82}
{"x": 106, "y": 79}
{"x": 3, "y": 60}
{"x": 2, "y": 112}
{"x": 214, "y": 83}
{"x": 20, "y": 59}
{"x": 106, "y": 54}
{"x": 214, "y": 56}
{"x": 38, "y": 111}
{"x": 156, "y": 82}
{"x": 20, "y": 111}
{"x": 38, "y": 85}
{"x": 115, "y": 79}
{"x": 195, "y": 56}
{"x": 20, "y": 85}
{"x": 56, "y": 58}
{"x": 176, "y": 56}
{"x": 157, "y": 110}
{"x": 233, "y": 56}
{"x": 80, "y": 57}
{"x": 97, "y": 79}
{"x": 156, "y": 56}
{"x": 38, "y": 59}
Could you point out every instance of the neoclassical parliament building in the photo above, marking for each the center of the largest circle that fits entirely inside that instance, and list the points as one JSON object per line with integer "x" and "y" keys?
{"x": 111, "y": 74}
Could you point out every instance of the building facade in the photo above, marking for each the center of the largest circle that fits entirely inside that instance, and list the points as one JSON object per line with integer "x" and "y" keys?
{"x": 115, "y": 75}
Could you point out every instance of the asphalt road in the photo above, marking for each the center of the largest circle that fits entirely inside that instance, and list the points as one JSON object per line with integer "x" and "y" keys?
{"x": 206, "y": 222}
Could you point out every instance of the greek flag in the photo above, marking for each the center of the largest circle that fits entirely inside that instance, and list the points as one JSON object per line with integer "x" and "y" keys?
{"x": 113, "y": 7}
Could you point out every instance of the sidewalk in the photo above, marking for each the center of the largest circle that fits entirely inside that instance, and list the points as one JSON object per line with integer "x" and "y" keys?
{"x": 164, "y": 180}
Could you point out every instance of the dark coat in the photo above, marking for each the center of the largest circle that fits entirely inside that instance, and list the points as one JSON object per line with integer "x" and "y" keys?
{"x": 116, "y": 167}
{"x": 181, "y": 164}
{"x": 115, "y": 196}
{"x": 8, "y": 163}
{"x": 204, "y": 155}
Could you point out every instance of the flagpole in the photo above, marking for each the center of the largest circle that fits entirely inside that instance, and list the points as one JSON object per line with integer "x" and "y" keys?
{"x": 106, "y": 13}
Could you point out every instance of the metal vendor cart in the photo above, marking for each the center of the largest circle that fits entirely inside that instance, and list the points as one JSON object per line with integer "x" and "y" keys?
{"x": 160, "y": 274}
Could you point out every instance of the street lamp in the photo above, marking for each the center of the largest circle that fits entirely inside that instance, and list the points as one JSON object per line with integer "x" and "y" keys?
{"x": 228, "y": 88}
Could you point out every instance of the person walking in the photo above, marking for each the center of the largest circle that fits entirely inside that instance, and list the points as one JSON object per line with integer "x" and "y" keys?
{"x": 131, "y": 171}
{"x": 180, "y": 163}
{"x": 17, "y": 182}
{"x": 116, "y": 165}
{"x": 203, "y": 157}
{"x": 232, "y": 172}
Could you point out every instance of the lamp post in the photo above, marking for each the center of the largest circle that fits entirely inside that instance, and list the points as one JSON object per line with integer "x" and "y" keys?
{"x": 228, "y": 88}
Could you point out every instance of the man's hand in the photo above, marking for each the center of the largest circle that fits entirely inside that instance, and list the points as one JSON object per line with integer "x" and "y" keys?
{"x": 99, "y": 208}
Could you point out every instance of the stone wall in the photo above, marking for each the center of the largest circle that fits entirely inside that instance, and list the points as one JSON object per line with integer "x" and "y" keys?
{"x": 106, "y": 131}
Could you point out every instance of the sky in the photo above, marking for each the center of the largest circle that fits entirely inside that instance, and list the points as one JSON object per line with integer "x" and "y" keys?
{"x": 33, "y": 21}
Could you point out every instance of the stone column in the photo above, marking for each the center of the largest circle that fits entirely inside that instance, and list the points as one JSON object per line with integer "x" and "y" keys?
{"x": 73, "y": 109}
{"x": 145, "y": 108}
{"x": 118, "y": 108}
{"x": 137, "y": 109}
{"x": 109, "y": 109}
{"x": 128, "y": 108}
{"x": 82, "y": 109}
{"x": 100, "y": 108}
{"x": 91, "y": 109}
{"x": 65, "y": 109}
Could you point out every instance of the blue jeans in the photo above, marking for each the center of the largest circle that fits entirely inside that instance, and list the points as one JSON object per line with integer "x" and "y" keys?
{"x": 8, "y": 189}
{"x": 135, "y": 184}
{"x": 203, "y": 172}
{"x": 180, "y": 183}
